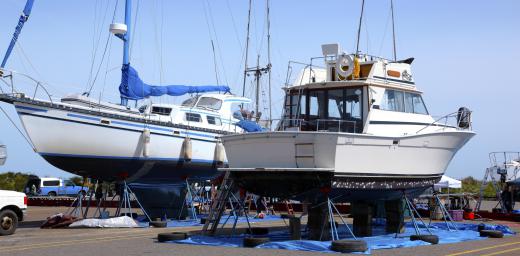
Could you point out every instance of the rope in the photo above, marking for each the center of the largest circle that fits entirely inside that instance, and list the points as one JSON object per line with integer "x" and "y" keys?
{"x": 19, "y": 130}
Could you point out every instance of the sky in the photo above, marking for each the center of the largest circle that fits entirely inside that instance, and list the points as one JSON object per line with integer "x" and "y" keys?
{"x": 466, "y": 54}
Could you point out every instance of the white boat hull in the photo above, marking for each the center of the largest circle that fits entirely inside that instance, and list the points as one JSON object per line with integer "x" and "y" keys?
{"x": 107, "y": 148}
{"x": 288, "y": 163}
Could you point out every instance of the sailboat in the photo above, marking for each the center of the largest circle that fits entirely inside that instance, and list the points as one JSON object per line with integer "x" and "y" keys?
{"x": 156, "y": 147}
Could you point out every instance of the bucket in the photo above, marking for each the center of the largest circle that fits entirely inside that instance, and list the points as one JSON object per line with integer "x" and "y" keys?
{"x": 469, "y": 215}
{"x": 456, "y": 215}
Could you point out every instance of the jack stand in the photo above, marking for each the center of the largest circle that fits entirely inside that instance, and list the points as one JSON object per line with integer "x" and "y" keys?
{"x": 445, "y": 214}
{"x": 236, "y": 213}
{"x": 77, "y": 204}
{"x": 413, "y": 211}
{"x": 189, "y": 197}
{"x": 126, "y": 203}
{"x": 333, "y": 228}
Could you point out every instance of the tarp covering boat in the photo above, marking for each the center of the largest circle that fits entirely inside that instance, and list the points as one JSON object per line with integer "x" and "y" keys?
{"x": 133, "y": 88}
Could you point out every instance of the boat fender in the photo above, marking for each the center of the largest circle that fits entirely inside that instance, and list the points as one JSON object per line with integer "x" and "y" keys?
{"x": 464, "y": 118}
{"x": 146, "y": 142}
{"x": 344, "y": 65}
{"x": 220, "y": 153}
{"x": 186, "y": 149}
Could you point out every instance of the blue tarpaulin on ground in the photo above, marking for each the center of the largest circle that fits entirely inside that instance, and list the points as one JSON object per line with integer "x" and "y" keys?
{"x": 230, "y": 219}
{"x": 380, "y": 240}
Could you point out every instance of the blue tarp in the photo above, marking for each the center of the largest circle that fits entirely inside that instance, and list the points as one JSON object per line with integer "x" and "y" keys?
{"x": 380, "y": 240}
{"x": 249, "y": 126}
{"x": 133, "y": 88}
{"x": 194, "y": 223}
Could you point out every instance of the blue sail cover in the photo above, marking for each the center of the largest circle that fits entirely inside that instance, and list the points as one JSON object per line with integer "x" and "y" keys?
{"x": 133, "y": 88}
{"x": 23, "y": 18}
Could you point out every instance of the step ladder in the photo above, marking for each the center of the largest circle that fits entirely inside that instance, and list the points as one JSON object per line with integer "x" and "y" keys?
{"x": 218, "y": 206}
{"x": 490, "y": 174}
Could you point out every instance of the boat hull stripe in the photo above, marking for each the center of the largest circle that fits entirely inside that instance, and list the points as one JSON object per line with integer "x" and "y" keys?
{"x": 31, "y": 108}
{"x": 44, "y": 154}
{"x": 109, "y": 127}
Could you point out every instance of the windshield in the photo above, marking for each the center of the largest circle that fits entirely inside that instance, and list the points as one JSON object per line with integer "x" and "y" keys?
{"x": 211, "y": 103}
{"x": 189, "y": 102}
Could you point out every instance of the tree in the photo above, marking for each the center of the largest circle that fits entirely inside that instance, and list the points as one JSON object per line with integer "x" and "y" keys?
{"x": 13, "y": 181}
{"x": 77, "y": 180}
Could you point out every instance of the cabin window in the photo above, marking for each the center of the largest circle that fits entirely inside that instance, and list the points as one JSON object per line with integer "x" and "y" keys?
{"x": 189, "y": 102}
{"x": 325, "y": 109}
{"x": 192, "y": 117}
{"x": 414, "y": 103}
{"x": 400, "y": 101}
{"x": 393, "y": 100}
{"x": 214, "y": 120}
{"x": 161, "y": 111}
{"x": 209, "y": 103}
{"x": 51, "y": 183}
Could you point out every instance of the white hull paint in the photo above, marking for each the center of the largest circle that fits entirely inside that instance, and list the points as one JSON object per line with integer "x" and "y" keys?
{"x": 347, "y": 154}
{"x": 67, "y": 134}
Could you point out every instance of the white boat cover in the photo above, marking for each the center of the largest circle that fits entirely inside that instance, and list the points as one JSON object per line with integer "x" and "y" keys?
{"x": 117, "y": 222}
{"x": 448, "y": 182}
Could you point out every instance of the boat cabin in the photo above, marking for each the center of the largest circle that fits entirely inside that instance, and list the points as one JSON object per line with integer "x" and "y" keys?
{"x": 355, "y": 94}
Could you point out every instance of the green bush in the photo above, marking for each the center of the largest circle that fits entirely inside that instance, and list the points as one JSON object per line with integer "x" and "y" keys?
{"x": 13, "y": 181}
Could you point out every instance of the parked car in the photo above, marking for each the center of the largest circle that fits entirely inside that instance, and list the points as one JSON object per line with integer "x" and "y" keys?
{"x": 52, "y": 187}
{"x": 13, "y": 206}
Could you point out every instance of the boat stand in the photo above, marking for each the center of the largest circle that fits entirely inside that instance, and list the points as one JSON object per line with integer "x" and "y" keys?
{"x": 77, "y": 205}
{"x": 445, "y": 214}
{"x": 125, "y": 202}
{"x": 218, "y": 206}
{"x": 333, "y": 228}
{"x": 413, "y": 211}
{"x": 189, "y": 198}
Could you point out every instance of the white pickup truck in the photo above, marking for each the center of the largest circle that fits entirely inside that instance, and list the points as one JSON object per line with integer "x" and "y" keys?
{"x": 13, "y": 206}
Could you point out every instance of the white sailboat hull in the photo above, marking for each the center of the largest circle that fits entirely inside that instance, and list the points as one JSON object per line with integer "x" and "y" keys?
{"x": 107, "y": 148}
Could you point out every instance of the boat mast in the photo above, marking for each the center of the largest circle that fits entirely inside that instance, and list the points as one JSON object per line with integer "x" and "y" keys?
{"x": 23, "y": 18}
{"x": 269, "y": 64}
{"x": 247, "y": 50}
{"x": 127, "y": 37}
{"x": 393, "y": 28}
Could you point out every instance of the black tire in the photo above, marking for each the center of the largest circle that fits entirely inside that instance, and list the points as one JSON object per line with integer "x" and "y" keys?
{"x": 257, "y": 231}
{"x": 286, "y": 216}
{"x": 254, "y": 241}
{"x": 491, "y": 233}
{"x": 349, "y": 246}
{"x": 432, "y": 239}
{"x": 82, "y": 192}
{"x": 174, "y": 236}
{"x": 158, "y": 224}
{"x": 8, "y": 222}
{"x": 481, "y": 227}
{"x": 52, "y": 193}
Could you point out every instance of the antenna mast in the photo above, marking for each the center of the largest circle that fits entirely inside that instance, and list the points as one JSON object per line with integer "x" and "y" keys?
{"x": 393, "y": 28}
{"x": 359, "y": 27}
{"x": 247, "y": 50}
{"x": 269, "y": 63}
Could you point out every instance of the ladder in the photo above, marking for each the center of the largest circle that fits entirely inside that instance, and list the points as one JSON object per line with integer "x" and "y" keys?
{"x": 218, "y": 206}
{"x": 489, "y": 174}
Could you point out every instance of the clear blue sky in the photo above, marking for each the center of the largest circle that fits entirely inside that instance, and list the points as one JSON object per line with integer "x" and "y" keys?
{"x": 466, "y": 54}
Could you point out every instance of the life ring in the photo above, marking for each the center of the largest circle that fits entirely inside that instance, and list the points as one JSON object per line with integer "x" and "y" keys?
{"x": 344, "y": 65}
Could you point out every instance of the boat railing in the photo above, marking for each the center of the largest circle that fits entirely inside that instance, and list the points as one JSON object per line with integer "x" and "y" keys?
{"x": 9, "y": 78}
{"x": 460, "y": 120}
{"x": 318, "y": 125}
